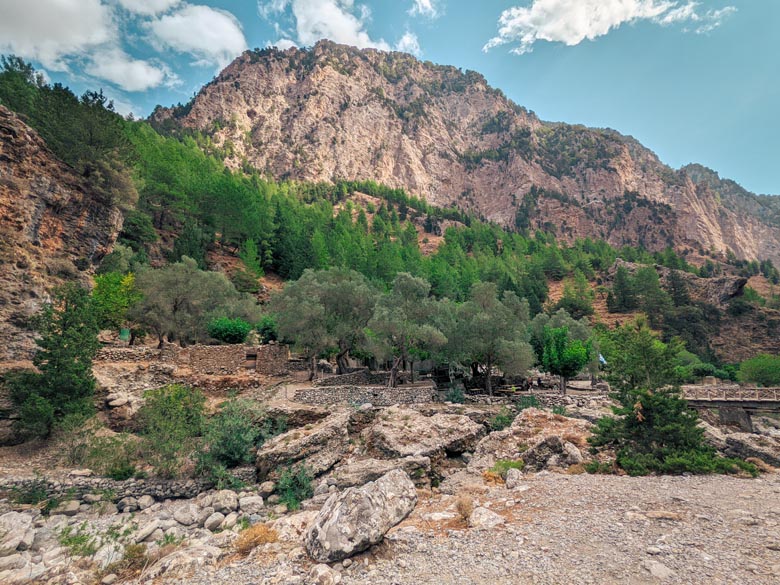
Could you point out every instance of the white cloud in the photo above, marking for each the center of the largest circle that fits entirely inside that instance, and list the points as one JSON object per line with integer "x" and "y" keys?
{"x": 572, "y": 21}
{"x": 341, "y": 21}
{"x": 48, "y": 31}
{"x": 212, "y": 35}
{"x": 148, "y": 7}
{"x": 426, "y": 8}
{"x": 129, "y": 74}
{"x": 409, "y": 44}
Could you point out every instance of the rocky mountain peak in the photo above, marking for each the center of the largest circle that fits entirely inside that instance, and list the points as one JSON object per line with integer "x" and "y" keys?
{"x": 334, "y": 111}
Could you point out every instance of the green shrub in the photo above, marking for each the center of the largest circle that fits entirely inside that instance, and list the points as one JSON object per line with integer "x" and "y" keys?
{"x": 502, "y": 420}
{"x": 36, "y": 417}
{"x": 763, "y": 370}
{"x": 229, "y": 330}
{"x": 294, "y": 486}
{"x": 267, "y": 328}
{"x": 657, "y": 433}
{"x": 559, "y": 409}
{"x": 80, "y": 542}
{"x": 171, "y": 418}
{"x": 527, "y": 401}
{"x": 504, "y": 465}
{"x": 455, "y": 395}
{"x": 598, "y": 467}
{"x": 33, "y": 493}
{"x": 232, "y": 433}
{"x": 113, "y": 457}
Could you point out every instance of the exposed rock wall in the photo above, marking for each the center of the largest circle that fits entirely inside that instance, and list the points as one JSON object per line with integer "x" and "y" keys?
{"x": 337, "y": 112}
{"x": 52, "y": 228}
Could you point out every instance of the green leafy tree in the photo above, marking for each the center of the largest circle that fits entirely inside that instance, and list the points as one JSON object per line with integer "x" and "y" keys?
{"x": 112, "y": 297}
{"x": 563, "y": 356}
{"x": 323, "y": 310}
{"x": 67, "y": 343}
{"x": 171, "y": 418}
{"x": 179, "y": 300}
{"x": 763, "y": 369}
{"x": 229, "y": 330}
{"x": 250, "y": 256}
{"x": 404, "y": 323}
{"x": 491, "y": 332}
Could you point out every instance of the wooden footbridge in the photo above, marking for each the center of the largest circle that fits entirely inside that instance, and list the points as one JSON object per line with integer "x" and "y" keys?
{"x": 735, "y": 404}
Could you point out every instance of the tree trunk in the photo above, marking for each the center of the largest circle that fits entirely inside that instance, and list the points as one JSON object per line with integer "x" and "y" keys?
{"x": 474, "y": 369}
{"x": 411, "y": 370}
{"x": 341, "y": 361}
{"x": 563, "y": 385}
{"x": 313, "y": 368}
{"x": 488, "y": 381}
{"x": 393, "y": 381}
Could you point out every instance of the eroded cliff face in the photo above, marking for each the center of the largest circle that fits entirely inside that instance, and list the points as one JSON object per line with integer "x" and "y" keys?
{"x": 52, "y": 229}
{"x": 337, "y": 112}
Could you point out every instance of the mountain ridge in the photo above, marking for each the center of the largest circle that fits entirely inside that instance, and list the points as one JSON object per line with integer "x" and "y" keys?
{"x": 336, "y": 112}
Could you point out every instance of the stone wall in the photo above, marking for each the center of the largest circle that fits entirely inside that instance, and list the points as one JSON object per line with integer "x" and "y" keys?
{"x": 546, "y": 400}
{"x": 376, "y": 395}
{"x": 219, "y": 360}
{"x": 357, "y": 378}
{"x": 75, "y": 488}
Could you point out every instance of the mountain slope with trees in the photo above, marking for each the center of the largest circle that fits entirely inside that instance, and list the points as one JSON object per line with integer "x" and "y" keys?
{"x": 335, "y": 112}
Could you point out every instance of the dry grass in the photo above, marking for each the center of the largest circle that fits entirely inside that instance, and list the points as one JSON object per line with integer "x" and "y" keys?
{"x": 763, "y": 466}
{"x": 492, "y": 478}
{"x": 464, "y": 506}
{"x": 253, "y": 537}
{"x": 574, "y": 439}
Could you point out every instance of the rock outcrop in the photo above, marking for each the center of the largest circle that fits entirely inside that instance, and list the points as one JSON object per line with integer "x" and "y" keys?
{"x": 538, "y": 437}
{"x": 334, "y": 111}
{"x": 319, "y": 447}
{"x": 400, "y": 432}
{"x": 353, "y": 520}
{"x": 52, "y": 229}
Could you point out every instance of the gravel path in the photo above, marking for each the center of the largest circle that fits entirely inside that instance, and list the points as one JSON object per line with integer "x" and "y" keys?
{"x": 566, "y": 529}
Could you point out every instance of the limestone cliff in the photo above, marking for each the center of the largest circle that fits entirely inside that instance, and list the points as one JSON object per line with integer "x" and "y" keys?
{"x": 338, "y": 112}
{"x": 52, "y": 229}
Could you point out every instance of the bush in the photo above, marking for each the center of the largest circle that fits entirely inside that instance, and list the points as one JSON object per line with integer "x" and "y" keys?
{"x": 658, "y": 433}
{"x": 267, "y": 329}
{"x": 232, "y": 433}
{"x": 455, "y": 395}
{"x": 294, "y": 486}
{"x": 559, "y": 409}
{"x": 229, "y": 330}
{"x": 502, "y": 420}
{"x": 763, "y": 370}
{"x": 113, "y": 457}
{"x": 528, "y": 401}
{"x": 170, "y": 420}
{"x": 504, "y": 465}
{"x": 36, "y": 416}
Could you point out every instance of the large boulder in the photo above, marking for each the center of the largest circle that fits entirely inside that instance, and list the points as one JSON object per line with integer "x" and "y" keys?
{"x": 400, "y": 432}
{"x": 16, "y": 533}
{"x": 319, "y": 447}
{"x": 356, "y": 473}
{"x": 357, "y": 518}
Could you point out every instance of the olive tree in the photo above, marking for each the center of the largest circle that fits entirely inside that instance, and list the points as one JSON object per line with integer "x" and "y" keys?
{"x": 491, "y": 332}
{"x": 325, "y": 310}
{"x": 403, "y": 325}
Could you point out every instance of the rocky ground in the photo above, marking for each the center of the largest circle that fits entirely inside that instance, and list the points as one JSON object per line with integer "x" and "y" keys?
{"x": 554, "y": 528}
{"x": 421, "y": 477}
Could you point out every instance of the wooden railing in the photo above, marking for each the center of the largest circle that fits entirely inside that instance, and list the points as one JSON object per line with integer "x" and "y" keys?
{"x": 731, "y": 393}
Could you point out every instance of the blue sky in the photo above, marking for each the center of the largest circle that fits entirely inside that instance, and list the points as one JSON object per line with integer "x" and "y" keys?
{"x": 696, "y": 81}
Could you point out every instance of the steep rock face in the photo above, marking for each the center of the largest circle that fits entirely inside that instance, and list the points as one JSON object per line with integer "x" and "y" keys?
{"x": 51, "y": 229}
{"x": 337, "y": 112}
